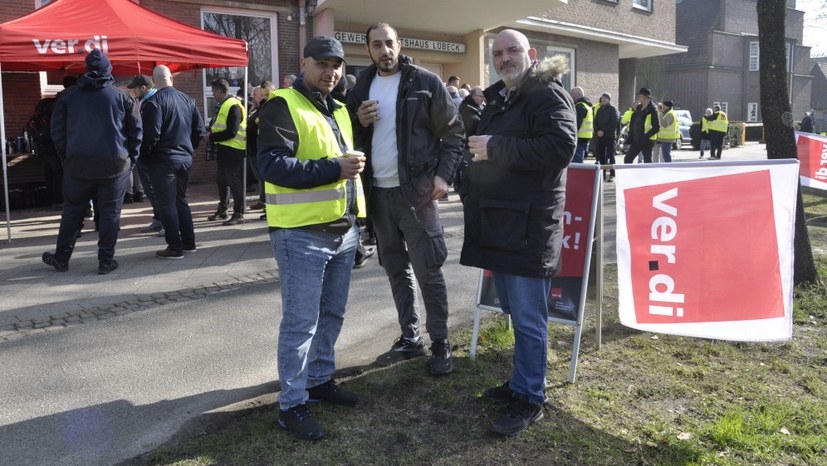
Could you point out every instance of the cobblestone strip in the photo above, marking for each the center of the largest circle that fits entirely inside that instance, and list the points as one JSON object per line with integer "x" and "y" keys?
{"x": 53, "y": 323}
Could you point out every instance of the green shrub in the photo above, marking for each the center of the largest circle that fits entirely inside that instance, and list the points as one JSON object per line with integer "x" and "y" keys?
{"x": 735, "y": 133}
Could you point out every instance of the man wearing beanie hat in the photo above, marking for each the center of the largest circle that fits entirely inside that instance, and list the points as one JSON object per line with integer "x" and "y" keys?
{"x": 669, "y": 131}
{"x": 605, "y": 129}
{"x": 314, "y": 196}
{"x": 643, "y": 128}
{"x": 97, "y": 133}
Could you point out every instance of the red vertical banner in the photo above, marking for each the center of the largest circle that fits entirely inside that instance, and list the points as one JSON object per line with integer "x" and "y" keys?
{"x": 812, "y": 153}
{"x": 568, "y": 287}
{"x": 706, "y": 250}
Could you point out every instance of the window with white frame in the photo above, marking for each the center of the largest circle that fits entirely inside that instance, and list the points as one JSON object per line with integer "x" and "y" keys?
{"x": 752, "y": 111}
{"x": 568, "y": 78}
{"x": 716, "y": 104}
{"x": 753, "y": 56}
{"x": 259, "y": 30}
{"x": 725, "y": 107}
{"x": 754, "y": 60}
{"x": 642, "y": 4}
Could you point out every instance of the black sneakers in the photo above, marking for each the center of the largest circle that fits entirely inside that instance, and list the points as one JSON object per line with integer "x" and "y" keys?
{"x": 332, "y": 392}
{"x": 49, "y": 259}
{"x": 190, "y": 248}
{"x": 234, "y": 220}
{"x": 441, "y": 362}
{"x": 300, "y": 422}
{"x": 519, "y": 415}
{"x": 500, "y": 394}
{"x": 169, "y": 253}
{"x": 104, "y": 267}
{"x": 218, "y": 215}
{"x": 401, "y": 350}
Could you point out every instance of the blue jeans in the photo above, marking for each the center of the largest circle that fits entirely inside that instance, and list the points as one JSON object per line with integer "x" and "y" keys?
{"x": 314, "y": 273}
{"x": 581, "y": 151}
{"x": 170, "y": 176}
{"x": 526, "y": 300}
{"x": 146, "y": 183}
{"x": 704, "y": 145}
{"x": 666, "y": 151}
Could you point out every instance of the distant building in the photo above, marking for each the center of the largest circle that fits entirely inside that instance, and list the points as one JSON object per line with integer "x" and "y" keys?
{"x": 819, "y": 100}
{"x": 722, "y": 65}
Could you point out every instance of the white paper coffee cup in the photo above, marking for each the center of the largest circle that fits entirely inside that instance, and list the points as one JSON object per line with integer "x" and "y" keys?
{"x": 354, "y": 153}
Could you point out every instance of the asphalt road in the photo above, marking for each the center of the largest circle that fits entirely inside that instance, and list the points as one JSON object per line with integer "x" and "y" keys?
{"x": 107, "y": 391}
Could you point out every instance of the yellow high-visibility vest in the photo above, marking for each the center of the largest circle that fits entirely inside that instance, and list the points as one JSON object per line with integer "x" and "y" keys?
{"x": 671, "y": 132}
{"x": 647, "y": 126}
{"x": 720, "y": 123}
{"x": 291, "y": 208}
{"x": 627, "y": 117}
{"x": 586, "y": 130}
{"x": 239, "y": 141}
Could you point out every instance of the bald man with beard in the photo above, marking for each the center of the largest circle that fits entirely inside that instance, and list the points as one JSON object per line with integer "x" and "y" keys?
{"x": 513, "y": 208}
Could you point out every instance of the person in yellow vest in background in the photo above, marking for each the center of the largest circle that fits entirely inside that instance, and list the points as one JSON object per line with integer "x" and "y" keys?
{"x": 228, "y": 131}
{"x": 585, "y": 123}
{"x": 314, "y": 195}
{"x": 718, "y": 127}
{"x": 668, "y": 132}
{"x": 704, "y": 142}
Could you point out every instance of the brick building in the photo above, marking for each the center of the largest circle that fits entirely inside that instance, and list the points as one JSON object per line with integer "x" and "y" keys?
{"x": 722, "y": 65}
{"x": 605, "y": 41}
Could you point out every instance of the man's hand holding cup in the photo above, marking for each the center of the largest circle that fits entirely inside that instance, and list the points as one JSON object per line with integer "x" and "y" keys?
{"x": 352, "y": 164}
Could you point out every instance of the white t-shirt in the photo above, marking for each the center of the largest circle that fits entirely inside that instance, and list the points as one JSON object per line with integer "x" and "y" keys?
{"x": 384, "y": 152}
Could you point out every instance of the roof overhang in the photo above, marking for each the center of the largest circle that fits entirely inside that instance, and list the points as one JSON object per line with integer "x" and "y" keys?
{"x": 442, "y": 16}
{"x": 629, "y": 46}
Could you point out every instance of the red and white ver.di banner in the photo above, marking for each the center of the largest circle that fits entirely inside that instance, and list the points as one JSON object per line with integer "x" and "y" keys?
{"x": 706, "y": 249}
{"x": 812, "y": 153}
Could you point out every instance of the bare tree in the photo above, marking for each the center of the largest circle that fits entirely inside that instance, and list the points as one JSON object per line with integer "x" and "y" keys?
{"x": 778, "y": 118}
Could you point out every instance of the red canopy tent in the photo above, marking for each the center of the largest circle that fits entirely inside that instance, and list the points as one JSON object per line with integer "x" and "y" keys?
{"x": 58, "y": 37}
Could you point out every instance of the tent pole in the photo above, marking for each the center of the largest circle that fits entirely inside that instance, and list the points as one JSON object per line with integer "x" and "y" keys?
{"x": 244, "y": 169}
{"x": 5, "y": 161}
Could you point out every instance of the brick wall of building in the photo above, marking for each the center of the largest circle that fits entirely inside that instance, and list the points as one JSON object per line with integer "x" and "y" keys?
{"x": 619, "y": 16}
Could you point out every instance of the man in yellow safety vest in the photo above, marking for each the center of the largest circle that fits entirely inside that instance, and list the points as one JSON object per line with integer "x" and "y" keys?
{"x": 313, "y": 195}
{"x": 718, "y": 127}
{"x": 228, "y": 131}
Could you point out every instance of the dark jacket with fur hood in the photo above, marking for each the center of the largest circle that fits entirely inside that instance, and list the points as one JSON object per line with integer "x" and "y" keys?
{"x": 514, "y": 201}
{"x": 429, "y": 131}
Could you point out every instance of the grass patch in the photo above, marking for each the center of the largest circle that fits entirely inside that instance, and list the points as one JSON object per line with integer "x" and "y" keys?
{"x": 640, "y": 399}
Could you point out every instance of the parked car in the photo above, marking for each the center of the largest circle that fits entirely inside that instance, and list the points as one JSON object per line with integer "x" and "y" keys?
{"x": 684, "y": 123}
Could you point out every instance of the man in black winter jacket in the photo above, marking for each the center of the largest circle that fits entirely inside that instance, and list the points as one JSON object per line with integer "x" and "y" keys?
{"x": 97, "y": 133}
{"x": 513, "y": 207}
{"x": 605, "y": 130}
{"x": 408, "y": 127}
{"x": 644, "y": 127}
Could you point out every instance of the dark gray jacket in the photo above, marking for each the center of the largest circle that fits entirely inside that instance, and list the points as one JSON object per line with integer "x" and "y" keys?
{"x": 429, "y": 131}
{"x": 514, "y": 201}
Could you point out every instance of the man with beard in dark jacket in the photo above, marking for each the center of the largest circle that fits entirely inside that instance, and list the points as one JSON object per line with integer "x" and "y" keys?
{"x": 644, "y": 127}
{"x": 513, "y": 206}
{"x": 410, "y": 130}
{"x": 97, "y": 133}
